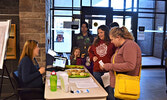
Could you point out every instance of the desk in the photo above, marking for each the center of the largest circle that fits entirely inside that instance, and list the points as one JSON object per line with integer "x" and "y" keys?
{"x": 95, "y": 93}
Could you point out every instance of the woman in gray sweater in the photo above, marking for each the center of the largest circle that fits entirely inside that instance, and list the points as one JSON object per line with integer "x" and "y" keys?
{"x": 127, "y": 56}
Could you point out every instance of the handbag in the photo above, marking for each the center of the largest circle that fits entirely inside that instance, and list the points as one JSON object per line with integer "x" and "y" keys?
{"x": 126, "y": 86}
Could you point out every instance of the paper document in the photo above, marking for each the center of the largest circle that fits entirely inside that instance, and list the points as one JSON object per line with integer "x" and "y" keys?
{"x": 81, "y": 80}
{"x": 106, "y": 79}
{"x": 86, "y": 85}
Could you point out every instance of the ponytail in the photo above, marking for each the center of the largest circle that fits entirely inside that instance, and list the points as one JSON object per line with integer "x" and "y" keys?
{"x": 122, "y": 32}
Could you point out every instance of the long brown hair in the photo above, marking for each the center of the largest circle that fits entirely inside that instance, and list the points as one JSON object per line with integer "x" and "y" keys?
{"x": 122, "y": 32}
{"x": 28, "y": 48}
{"x": 106, "y": 35}
{"x": 74, "y": 49}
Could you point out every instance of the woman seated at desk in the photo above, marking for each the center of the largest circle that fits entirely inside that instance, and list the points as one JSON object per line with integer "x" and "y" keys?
{"x": 29, "y": 73}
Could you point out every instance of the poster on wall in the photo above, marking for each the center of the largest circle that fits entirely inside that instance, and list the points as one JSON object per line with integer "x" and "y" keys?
{"x": 4, "y": 34}
{"x": 59, "y": 36}
{"x": 63, "y": 40}
{"x": 11, "y": 45}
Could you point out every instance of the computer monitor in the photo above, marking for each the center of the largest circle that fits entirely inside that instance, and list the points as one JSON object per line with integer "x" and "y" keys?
{"x": 59, "y": 62}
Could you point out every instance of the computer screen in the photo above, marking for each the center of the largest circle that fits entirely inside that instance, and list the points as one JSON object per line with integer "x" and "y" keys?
{"x": 59, "y": 62}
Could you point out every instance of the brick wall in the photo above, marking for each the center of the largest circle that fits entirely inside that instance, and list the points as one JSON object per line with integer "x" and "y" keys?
{"x": 9, "y": 9}
{"x": 32, "y": 25}
{"x": 29, "y": 17}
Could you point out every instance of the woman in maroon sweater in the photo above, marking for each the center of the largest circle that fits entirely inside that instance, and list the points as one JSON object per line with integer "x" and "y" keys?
{"x": 102, "y": 49}
{"x": 127, "y": 57}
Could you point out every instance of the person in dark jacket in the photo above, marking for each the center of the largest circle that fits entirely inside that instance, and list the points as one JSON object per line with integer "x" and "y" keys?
{"x": 113, "y": 24}
{"x": 29, "y": 73}
{"x": 83, "y": 41}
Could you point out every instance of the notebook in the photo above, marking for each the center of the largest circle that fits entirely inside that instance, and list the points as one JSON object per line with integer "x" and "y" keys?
{"x": 59, "y": 64}
{"x": 52, "y": 53}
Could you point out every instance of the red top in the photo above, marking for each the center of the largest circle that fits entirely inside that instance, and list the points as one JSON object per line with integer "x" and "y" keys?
{"x": 102, "y": 52}
{"x": 77, "y": 61}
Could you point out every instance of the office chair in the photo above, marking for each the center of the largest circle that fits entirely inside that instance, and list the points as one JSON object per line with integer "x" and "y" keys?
{"x": 25, "y": 93}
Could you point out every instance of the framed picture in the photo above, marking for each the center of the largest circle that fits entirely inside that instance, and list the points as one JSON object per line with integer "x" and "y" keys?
{"x": 60, "y": 38}
{"x": 11, "y": 44}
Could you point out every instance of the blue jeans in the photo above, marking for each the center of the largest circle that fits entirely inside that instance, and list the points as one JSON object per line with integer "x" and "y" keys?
{"x": 97, "y": 76}
{"x": 110, "y": 92}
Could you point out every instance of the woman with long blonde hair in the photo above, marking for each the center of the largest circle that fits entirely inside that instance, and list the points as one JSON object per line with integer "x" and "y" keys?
{"x": 29, "y": 72}
{"x": 30, "y": 75}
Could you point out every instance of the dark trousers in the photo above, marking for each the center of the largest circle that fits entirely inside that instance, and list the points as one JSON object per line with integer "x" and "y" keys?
{"x": 108, "y": 89}
{"x": 97, "y": 76}
{"x": 110, "y": 92}
{"x": 35, "y": 94}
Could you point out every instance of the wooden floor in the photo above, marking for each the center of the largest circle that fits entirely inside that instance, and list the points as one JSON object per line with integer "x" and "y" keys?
{"x": 153, "y": 86}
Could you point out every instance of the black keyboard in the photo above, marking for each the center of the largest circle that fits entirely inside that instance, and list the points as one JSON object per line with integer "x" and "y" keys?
{"x": 55, "y": 69}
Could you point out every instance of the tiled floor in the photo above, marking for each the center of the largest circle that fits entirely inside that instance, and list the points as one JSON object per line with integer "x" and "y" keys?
{"x": 153, "y": 84}
{"x": 151, "y": 61}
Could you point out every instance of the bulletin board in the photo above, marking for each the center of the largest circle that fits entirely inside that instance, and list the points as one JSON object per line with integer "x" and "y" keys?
{"x": 11, "y": 44}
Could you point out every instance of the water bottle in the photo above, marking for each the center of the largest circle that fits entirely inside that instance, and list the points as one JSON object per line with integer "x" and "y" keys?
{"x": 53, "y": 81}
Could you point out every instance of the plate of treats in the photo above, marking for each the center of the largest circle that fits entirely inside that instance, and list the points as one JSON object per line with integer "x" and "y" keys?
{"x": 77, "y": 73}
{"x": 75, "y": 66}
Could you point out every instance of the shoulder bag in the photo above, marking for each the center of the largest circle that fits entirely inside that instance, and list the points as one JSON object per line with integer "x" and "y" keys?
{"x": 126, "y": 86}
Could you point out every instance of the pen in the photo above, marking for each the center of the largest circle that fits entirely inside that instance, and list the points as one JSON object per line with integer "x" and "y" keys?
{"x": 74, "y": 91}
{"x": 77, "y": 91}
{"x": 85, "y": 90}
{"x": 80, "y": 91}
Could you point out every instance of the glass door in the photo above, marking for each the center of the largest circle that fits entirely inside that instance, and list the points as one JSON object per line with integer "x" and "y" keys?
{"x": 95, "y": 21}
{"x": 127, "y": 19}
{"x": 96, "y": 16}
